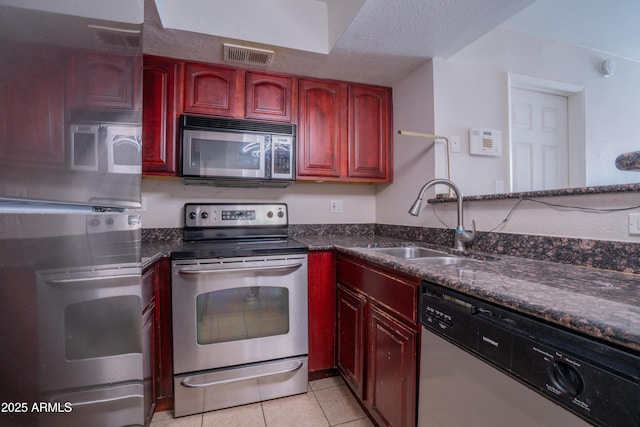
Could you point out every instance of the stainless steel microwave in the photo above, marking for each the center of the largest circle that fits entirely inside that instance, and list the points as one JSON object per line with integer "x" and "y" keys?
{"x": 234, "y": 152}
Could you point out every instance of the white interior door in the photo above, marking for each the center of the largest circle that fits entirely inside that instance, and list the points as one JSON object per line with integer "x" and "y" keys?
{"x": 539, "y": 140}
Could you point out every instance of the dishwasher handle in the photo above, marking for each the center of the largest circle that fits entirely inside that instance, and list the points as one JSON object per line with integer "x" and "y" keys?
{"x": 206, "y": 271}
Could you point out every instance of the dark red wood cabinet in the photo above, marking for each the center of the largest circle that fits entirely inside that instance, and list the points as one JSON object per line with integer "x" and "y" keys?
{"x": 150, "y": 279}
{"x": 378, "y": 338}
{"x": 322, "y": 129}
{"x": 350, "y": 336}
{"x": 101, "y": 81}
{"x": 158, "y": 338}
{"x": 344, "y": 132}
{"x": 322, "y": 313}
{"x": 161, "y": 97}
{"x": 269, "y": 97}
{"x": 369, "y": 132}
{"x": 344, "y": 129}
{"x": 211, "y": 90}
{"x": 32, "y": 85}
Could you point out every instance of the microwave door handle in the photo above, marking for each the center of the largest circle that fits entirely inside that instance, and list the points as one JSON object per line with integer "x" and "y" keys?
{"x": 195, "y": 272}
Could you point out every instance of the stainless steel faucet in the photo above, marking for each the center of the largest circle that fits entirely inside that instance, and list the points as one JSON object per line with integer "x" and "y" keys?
{"x": 462, "y": 235}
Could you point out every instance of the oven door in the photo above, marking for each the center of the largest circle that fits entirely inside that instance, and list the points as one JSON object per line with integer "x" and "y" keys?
{"x": 223, "y": 154}
{"x": 89, "y": 327}
{"x": 238, "y": 310}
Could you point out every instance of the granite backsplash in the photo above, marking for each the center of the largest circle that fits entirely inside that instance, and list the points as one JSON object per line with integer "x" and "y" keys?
{"x": 607, "y": 255}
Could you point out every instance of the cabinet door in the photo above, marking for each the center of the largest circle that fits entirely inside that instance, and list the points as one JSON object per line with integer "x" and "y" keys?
{"x": 212, "y": 90}
{"x": 351, "y": 337}
{"x": 322, "y": 310}
{"x": 369, "y": 132}
{"x": 322, "y": 121}
{"x": 164, "y": 338}
{"x": 391, "y": 370}
{"x": 150, "y": 347}
{"x": 96, "y": 80}
{"x": 268, "y": 97}
{"x": 32, "y": 111}
{"x": 159, "y": 116}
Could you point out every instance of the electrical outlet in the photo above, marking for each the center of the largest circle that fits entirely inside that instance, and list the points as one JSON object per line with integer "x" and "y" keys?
{"x": 336, "y": 206}
{"x": 454, "y": 142}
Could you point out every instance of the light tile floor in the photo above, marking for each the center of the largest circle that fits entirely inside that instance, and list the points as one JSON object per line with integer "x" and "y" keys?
{"x": 328, "y": 402}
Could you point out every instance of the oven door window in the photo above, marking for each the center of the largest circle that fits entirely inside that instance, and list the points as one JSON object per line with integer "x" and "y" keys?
{"x": 242, "y": 313}
{"x": 103, "y": 327}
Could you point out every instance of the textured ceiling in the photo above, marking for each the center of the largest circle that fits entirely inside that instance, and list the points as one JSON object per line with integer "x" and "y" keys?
{"x": 388, "y": 39}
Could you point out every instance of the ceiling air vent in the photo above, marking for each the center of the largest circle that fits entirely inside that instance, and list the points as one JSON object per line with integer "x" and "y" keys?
{"x": 247, "y": 55}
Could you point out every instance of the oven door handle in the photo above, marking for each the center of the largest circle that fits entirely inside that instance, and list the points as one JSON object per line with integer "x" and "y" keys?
{"x": 187, "y": 382}
{"x": 194, "y": 272}
{"x": 107, "y": 400}
{"x": 90, "y": 279}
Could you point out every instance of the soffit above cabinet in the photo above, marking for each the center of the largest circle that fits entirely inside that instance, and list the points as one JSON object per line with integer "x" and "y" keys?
{"x": 366, "y": 41}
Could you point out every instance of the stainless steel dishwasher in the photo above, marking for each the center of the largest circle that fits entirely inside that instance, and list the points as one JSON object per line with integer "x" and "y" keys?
{"x": 482, "y": 365}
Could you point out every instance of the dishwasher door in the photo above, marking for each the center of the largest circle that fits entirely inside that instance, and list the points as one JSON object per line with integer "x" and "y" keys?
{"x": 458, "y": 389}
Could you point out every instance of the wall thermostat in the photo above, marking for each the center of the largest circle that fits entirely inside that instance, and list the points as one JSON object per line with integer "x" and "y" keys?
{"x": 485, "y": 142}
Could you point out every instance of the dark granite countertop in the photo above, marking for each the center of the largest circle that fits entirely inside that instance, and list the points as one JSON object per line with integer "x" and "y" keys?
{"x": 628, "y": 161}
{"x": 599, "y": 303}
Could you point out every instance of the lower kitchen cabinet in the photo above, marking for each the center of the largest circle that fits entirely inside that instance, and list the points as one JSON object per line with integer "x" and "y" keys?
{"x": 149, "y": 350}
{"x": 157, "y": 338}
{"x": 391, "y": 369}
{"x": 322, "y": 314}
{"x": 378, "y": 338}
{"x": 351, "y": 312}
{"x": 164, "y": 338}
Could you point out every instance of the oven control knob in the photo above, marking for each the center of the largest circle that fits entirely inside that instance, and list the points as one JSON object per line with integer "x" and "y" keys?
{"x": 193, "y": 215}
{"x": 204, "y": 215}
{"x": 566, "y": 378}
{"x": 269, "y": 214}
{"x": 280, "y": 214}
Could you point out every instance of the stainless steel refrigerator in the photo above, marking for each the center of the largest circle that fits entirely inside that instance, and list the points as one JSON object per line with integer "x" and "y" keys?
{"x": 72, "y": 346}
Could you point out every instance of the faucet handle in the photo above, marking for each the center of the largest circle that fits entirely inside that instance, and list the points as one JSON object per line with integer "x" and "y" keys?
{"x": 466, "y": 235}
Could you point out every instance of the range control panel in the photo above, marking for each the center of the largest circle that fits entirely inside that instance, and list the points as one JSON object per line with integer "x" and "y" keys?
{"x": 223, "y": 215}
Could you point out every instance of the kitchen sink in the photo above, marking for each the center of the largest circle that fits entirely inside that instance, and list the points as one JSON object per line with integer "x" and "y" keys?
{"x": 411, "y": 253}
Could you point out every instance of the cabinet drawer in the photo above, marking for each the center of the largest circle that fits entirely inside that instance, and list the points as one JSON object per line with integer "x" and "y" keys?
{"x": 396, "y": 292}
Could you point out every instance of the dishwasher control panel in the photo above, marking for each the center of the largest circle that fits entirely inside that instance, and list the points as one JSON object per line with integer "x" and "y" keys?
{"x": 596, "y": 381}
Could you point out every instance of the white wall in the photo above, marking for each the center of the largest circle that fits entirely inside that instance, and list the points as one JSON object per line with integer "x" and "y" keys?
{"x": 309, "y": 203}
{"x": 471, "y": 90}
{"x": 464, "y": 105}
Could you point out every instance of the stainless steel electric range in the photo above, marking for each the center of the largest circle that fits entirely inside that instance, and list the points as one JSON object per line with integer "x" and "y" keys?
{"x": 239, "y": 293}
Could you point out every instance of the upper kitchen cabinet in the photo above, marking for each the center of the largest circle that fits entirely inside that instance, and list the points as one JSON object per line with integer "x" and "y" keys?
{"x": 227, "y": 92}
{"x": 322, "y": 130}
{"x": 269, "y": 97}
{"x": 102, "y": 81}
{"x": 369, "y": 133}
{"x": 161, "y": 97}
{"x": 344, "y": 132}
{"x": 210, "y": 90}
{"x": 32, "y": 111}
